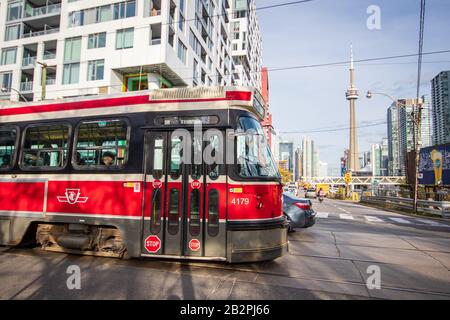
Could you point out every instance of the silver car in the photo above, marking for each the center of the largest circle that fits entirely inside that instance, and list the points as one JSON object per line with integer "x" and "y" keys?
{"x": 311, "y": 193}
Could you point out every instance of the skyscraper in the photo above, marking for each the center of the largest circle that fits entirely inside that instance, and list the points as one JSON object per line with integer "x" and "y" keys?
{"x": 287, "y": 154}
{"x": 402, "y": 132}
{"x": 307, "y": 156}
{"x": 441, "y": 107}
{"x": 246, "y": 42}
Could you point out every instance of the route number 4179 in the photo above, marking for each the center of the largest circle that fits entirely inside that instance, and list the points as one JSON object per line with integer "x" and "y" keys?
{"x": 240, "y": 201}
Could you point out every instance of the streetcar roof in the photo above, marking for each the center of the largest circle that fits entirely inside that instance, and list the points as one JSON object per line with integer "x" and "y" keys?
{"x": 179, "y": 99}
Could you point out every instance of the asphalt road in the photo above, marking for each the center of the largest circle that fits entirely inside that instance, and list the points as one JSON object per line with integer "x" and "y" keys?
{"x": 331, "y": 260}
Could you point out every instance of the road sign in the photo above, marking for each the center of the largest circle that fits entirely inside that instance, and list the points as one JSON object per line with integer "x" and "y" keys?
{"x": 348, "y": 177}
{"x": 152, "y": 244}
{"x": 194, "y": 245}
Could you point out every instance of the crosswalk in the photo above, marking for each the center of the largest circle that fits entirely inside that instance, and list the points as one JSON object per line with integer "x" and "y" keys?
{"x": 380, "y": 219}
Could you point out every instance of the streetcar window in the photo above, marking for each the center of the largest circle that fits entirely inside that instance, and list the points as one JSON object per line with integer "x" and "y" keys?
{"x": 194, "y": 221}
{"x": 101, "y": 144}
{"x": 213, "y": 212}
{"x": 196, "y": 167}
{"x": 176, "y": 155}
{"x": 45, "y": 147}
{"x": 156, "y": 208}
{"x": 8, "y": 142}
{"x": 254, "y": 158}
{"x": 158, "y": 158}
{"x": 213, "y": 150}
{"x": 174, "y": 209}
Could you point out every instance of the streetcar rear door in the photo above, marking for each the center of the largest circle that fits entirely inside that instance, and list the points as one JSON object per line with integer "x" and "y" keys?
{"x": 184, "y": 212}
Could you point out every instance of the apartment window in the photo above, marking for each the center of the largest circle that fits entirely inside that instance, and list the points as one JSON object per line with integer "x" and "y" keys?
{"x": 104, "y": 13}
{"x": 71, "y": 73}
{"x": 155, "y": 34}
{"x": 195, "y": 70}
{"x": 9, "y": 56}
{"x": 6, "y": 80}
{"x": 76, "y": 18}
{"x": 181, "y": 19}
{"x": 14, "y": 11}
{"x": 12, "y": 32}
{"x": 124, "y": 10}
{"x": 182, "y": 51}
{"x": 72, "y": 49}
{"x": 124, "y": 38}
{"x": 97, "y": 40}
{"x": 96, "y": 69}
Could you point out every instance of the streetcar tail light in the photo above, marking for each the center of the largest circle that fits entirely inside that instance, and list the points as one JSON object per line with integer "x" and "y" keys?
{"x": 303, "y": 206}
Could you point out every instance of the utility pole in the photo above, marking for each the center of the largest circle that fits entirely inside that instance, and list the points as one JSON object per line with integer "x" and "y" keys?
{"x": 417, "y": 146}
{"x": 43, "y": 79}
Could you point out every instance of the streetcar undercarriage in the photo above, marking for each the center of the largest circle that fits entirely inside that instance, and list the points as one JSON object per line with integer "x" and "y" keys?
{"x": 78, "y": 238}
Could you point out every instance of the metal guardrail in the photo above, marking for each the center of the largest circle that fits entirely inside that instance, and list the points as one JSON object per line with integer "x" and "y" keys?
{"x": 39, "y": 33}
{"x": 441, "y": 208}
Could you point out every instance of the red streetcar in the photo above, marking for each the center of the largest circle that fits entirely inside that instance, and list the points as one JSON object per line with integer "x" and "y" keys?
{"x": 172, "y": 173}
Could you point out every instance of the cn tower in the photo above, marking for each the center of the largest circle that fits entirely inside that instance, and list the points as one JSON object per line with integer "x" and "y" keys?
{"x": 352, "y": 96}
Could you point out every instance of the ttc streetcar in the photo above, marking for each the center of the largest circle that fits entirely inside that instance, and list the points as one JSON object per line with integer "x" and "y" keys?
{"x": 170, "y": 173}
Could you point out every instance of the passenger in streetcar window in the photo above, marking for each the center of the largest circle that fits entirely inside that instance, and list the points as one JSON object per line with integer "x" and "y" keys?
{"x": 5, "y": 161}
{"x": 108, "y": 159}
{"x": 80, "y": 161}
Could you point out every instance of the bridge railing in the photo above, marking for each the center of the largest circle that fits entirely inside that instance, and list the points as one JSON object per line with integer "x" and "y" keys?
{"x": 441, "y": 208}
{"x": 382, "y": 180}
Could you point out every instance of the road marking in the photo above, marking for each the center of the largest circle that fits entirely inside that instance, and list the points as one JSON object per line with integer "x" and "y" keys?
{"x": 433, "y": 223}
{"x": 400, "y": 220}
{"x": 373, "y": 219}
{"x": 322, "y": 215}
{"x": 346, "y": 216}
{"x": 343, "y": 210}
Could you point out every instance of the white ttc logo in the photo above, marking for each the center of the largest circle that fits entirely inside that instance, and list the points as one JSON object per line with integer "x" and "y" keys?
{"x": 72, "y": 196}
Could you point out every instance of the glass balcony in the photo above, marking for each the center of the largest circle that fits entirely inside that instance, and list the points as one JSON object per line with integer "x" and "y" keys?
{"x": 29, "y": 61}
{"x": 26, "y": 86}
{"x": 155, "y": 41}
{"x": 51, "y": 9}
{"x": 49, "y": 55}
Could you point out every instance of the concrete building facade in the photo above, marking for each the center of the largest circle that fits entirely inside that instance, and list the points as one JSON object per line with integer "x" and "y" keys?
{"x": 110, "y": 46}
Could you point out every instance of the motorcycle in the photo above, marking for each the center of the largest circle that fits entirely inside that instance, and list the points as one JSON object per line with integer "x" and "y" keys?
{"x": 320, "y": 199}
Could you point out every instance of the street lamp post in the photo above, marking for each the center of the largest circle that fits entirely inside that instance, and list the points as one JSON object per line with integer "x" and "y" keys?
{"x": 43, "y": 78}
{"x": 417, "y": 117}
{"x": 15, "y": 90}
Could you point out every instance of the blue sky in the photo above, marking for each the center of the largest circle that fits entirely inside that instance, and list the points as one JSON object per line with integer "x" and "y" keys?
{"x": 321, "y": 31}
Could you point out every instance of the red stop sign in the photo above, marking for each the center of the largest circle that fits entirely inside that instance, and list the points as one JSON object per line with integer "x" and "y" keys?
{"x": 194, "y": 245}
{"x": 152, "y": 244}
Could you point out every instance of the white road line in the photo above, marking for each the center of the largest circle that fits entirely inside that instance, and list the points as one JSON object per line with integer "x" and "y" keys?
{"x": 322, "y": 215}
{"x": 346, "y": 216}
{"x": 400, "y": 220}
{"x": 343, "y": 210}
{"x": 373, "y": 219}
{"x": 433, "y": 223}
